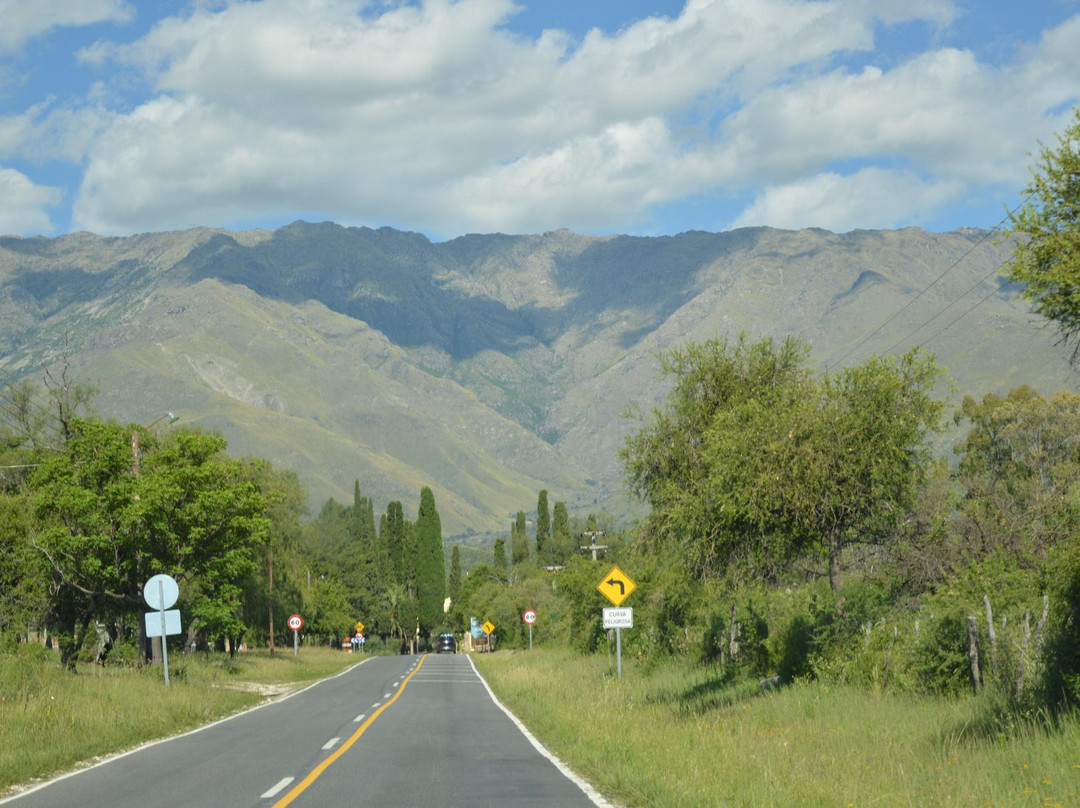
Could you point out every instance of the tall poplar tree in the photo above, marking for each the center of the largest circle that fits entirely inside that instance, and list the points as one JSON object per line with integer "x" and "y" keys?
{"x": 543, "y": 530}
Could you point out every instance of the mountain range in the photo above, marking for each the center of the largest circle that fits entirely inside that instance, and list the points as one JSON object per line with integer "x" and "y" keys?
{"x": 488, "y": 367}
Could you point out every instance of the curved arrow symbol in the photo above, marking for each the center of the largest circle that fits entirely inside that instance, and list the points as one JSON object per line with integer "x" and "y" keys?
{"x": 615, "y": 582}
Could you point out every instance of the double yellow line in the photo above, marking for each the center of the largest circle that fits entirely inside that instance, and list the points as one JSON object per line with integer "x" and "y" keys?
{"x": 300, "y": 787}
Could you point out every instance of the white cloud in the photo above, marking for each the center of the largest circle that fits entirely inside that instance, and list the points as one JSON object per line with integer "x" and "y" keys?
{"x": 22, "y": 204}
{"x": 870, "y": 198}
{"x": 438, "y": 117}
{"x": 24, "y": 20}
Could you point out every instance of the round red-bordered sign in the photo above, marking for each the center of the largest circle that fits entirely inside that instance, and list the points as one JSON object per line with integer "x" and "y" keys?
{"x": 296, "y": 622}
{"x": 529, "y": 616}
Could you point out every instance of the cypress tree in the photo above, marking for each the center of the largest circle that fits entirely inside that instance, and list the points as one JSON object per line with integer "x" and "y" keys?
{"x": 395, "y": 541}
{"x": 519, "y": 540}
{"x": 453, "y": 586}
{"x": 543, "y": 530}
{"x": 430, "y": 569}
{"x": 409, "y": 561}
{"x": 561, "y": 544}
{"x": 500, "y": 559}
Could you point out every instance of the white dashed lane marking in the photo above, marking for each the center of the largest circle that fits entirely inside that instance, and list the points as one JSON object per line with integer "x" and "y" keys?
{"x": 277, "y": 789}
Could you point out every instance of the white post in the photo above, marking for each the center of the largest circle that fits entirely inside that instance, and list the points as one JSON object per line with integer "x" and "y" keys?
{"x": 164, "y": 641}
{"x": 618, "y": 651}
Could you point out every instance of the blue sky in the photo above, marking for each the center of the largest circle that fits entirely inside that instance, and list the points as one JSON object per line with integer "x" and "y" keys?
{"x": 494, "y": 116}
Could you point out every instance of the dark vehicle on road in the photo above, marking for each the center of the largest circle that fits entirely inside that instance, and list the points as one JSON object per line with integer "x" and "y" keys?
{"x": 446, "y": 644}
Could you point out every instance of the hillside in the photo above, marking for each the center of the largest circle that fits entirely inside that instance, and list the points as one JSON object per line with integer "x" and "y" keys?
{"x": 489, "y": 366}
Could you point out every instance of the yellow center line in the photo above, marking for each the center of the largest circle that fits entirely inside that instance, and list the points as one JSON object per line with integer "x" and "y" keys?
{"x": 300, "y": 787}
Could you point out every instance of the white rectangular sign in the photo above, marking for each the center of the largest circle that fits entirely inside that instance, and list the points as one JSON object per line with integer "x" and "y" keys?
{"x": 619, "y": 618}
{"x": 153, "y": 623}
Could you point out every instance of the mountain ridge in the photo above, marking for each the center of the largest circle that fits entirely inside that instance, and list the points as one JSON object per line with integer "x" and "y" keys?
{"x": 486, "y": 366}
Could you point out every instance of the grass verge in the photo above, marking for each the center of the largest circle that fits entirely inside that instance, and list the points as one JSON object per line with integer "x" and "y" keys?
{"x": 52, "y": 721}
{"x": 676, "y": 736}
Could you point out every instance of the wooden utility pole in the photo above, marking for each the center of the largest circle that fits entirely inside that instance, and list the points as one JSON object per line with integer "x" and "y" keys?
{"x": 592, "y": 545}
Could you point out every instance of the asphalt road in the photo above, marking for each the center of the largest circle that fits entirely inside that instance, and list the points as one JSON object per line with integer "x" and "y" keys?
{"x": 391, "y": 731}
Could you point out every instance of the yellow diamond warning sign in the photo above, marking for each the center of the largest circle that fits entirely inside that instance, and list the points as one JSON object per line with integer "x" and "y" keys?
{"x": 488, "y": 627}
{"x": 616, "y": 586}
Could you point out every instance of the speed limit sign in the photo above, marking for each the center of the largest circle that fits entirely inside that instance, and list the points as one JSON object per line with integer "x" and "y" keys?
{"x": 529, "y": 616}
{"x": 296, "y": 622}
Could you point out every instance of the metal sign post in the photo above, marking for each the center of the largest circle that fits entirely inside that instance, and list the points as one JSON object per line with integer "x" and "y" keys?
{"x": 295, "y": 622}
{"x": 529, "y": 617}
{"x": 161, "y": 592}
{"x": 618, "y": 619}
{"x": 616, "y": 586}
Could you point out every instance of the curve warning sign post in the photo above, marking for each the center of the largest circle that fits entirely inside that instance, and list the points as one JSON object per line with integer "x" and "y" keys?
{"x": 616, "y": 586}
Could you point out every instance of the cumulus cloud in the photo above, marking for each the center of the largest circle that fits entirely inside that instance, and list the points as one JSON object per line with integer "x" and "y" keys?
{"x": 869, "y": 198}
{"x": 437, "y": 116}
{"x": 22, "y": 204}
{"x": 22, "y": 20}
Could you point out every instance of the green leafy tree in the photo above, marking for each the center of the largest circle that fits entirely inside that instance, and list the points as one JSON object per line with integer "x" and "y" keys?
{"x": 1047, "y": 256}
{"x": 1017, "y": 465}
{"x": 192, "y": 513}
{"x": 756, "y": 462}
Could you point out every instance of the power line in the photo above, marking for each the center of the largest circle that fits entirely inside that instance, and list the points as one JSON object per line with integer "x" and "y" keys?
{"x": 933, "y": 283}
{"x": 970, "y": 289}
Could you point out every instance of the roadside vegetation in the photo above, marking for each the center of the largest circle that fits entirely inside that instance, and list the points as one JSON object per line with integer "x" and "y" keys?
{"x": 828, "y": 609}
{"x": 680, "y": 735}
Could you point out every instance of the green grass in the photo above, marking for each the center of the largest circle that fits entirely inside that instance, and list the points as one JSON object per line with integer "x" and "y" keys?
{"x": 52, "y": 721}
{"x": 677, "y": 737}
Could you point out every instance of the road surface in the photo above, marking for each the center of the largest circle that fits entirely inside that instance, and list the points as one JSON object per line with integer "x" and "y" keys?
{"x": 392, "y": 731}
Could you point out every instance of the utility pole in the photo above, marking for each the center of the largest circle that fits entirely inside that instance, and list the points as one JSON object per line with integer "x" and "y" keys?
{"x": 592, "y": 545}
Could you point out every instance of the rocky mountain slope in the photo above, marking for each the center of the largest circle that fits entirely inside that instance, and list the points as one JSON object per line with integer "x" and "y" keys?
{"x": 489, "y": 366}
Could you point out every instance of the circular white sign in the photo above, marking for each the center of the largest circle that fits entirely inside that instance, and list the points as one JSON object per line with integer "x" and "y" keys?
{"x": 296, "y": 622}
{"x": 161, "y": 592}
{"x": 529, "y": 616}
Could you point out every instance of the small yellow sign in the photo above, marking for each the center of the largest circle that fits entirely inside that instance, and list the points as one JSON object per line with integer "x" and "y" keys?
{"x": 616, "y": 586}
{"x": 488, "y": 627}
{"x": 359, "y": 627}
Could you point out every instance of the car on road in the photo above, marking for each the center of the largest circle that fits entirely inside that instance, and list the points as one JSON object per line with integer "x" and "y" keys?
{"x": 446, "y": 644}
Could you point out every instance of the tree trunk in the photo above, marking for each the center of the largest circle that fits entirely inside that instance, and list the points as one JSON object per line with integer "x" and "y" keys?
{"x": 835, "y": 546}
{"x": 270, "y": 595}
{"x": 993, "y": 637}
{"x": 973, "y": 652}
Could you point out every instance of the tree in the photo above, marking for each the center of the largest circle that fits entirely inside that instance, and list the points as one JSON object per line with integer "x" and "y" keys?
{"x": 499, "y": 560}
{"x": 756, "y": 462}
{"x": 453, "y": 586}
{"x": 1047, "y": 255}
{"x": 192, "y": 513}
{"x": 543, "y": 529}
{"x": 519, "y": 540}
{"x": 1017, "y": 465}
{"x": 431, "y": 574}
{"x": 562, "y": 545}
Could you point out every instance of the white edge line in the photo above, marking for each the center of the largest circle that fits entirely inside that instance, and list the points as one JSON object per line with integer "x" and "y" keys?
{"x": 274, "y": 791}
{"x": 589, "y": 791}
{"x": 148, "y": 744}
